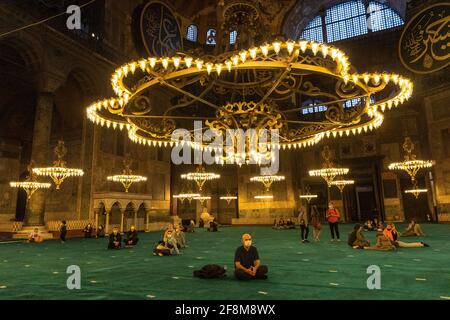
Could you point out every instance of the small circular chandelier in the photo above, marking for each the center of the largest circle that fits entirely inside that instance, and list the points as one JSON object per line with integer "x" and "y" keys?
{"x": 342, "y": 183}
{"x": 200, "y": 176}
{"x": 202, "y": 199}
{"x": 30, "y": 185}
{"x": 249, "y": 89}
{"x": 59, "y": 172}
{"x": 328, "y": 173}
{"x": 267, "y": 180}
{"x": 228, "y": 198}
{"x": 411, "y": 165}
{"x": 416, "y": 191}
{"x": 308, "y": 195}
{"x": 186, "y": 196}
{"x": 127, "y": 178}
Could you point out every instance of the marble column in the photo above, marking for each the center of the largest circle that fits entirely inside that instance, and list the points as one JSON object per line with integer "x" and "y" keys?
{"x": 41, "y": 137}
{"x": 122, "y": 215}
{"x": 107, "y": 223}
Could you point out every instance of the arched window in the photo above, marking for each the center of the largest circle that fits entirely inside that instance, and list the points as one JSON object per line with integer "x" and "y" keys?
{"x": 211, "y": 37}
{"x": 191, "y": 33}
{"x": 233, "y": 37}
{"x": 351, "y": 19}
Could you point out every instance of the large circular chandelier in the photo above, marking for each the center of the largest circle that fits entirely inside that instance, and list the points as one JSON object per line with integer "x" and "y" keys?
{"x": 257, "y": 89}
{"x": 59, "y": 172}
{"x": 30, "y": 185}
{"x": 411, "y": 165}
{"x": 200, "y": 176}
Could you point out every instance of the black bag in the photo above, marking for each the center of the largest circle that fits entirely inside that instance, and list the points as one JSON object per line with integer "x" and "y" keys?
{"x": 210, "y": 271}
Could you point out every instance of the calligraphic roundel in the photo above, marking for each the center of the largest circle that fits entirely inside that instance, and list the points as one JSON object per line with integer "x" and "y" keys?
{"x": 425, "y": 42}
{"x": 160, "y": 32}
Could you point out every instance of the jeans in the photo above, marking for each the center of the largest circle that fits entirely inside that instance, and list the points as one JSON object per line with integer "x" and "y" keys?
{"x": 304, "y": 231}
{"x": 334, "y": 229}
{"x": 261, "y": 273}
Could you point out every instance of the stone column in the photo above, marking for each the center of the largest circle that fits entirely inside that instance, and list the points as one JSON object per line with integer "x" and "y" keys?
{"x": 122, "y": 214}
{"x": 135, "y": 219}
{"x": 107, "y": 223}
{"x": 41, "y": 137}
{"x": 96, "y": 220}
{"x": 146, "y": 221}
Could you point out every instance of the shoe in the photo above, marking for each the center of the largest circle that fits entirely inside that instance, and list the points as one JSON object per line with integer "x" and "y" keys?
{"x": 306, "y": 240}
{"x": 339, "y": 240}
{"x": 332, "y": 240}
{"x": 424, "y": 244}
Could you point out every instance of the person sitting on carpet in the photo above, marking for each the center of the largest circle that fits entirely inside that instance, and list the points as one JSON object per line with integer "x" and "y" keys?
{"x": 247, "y": 264}
{"x": 88, "y": 231}
{"x": 369, "y": 225}
{"x": 132, "y": 238}
{"x": 100, "y": 232}
{"x": 191, "y": 227}
{"x": 290, "y": 224}
{"x": 63, "y": 231}
{"x": 180, "y": 237}
{"x": 201, "y": 223}
{"x": 315, "y": 222}
{"x": 383, "y": 242}
{"x": 161, "y": 249}
{"x": 170, "y": 240}
{"x": 213, "y": 225}
{"x": 115, "y": 239}
{"x": 413, "y": 230}
{"x": 356, "y": 238}
{"x": 392, "y": 234}
{"x": 35, "y": 236}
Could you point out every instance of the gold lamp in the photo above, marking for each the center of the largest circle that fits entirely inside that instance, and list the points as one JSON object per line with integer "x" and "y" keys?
{"x": 342, "y": 183}
{"x": 411, "y": 165}
{"x": 200, "y": 176}
{"x": 127, "y": 178}
{"x": 328, "y": 173}
{"x": 267, "y": 180}
{"x": 59, "y": 172}
{"x": 307, "y": 195}
{"x": 30, "y": 185}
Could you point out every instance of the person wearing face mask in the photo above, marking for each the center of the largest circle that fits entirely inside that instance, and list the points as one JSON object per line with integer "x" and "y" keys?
{"x": 333, "y": 217}
{"x": 115, "y": 239}
{"x": 132, "y": 238}
{"x": 247, "y": 263}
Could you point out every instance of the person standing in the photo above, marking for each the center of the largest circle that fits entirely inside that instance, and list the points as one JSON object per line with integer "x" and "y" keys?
{"x": 333, "y": 217}
{"x": 304, "y": 223}
{"x": 87, "y": 231}
{"x": 315, "y": 222}
{"x": 63, "y": 231}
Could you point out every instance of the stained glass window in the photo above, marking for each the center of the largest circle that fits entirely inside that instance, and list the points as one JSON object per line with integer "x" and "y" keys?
{"x": 191, "y": 33}
{"x": 233, "y": 37}
{"x": 211, "y": 37}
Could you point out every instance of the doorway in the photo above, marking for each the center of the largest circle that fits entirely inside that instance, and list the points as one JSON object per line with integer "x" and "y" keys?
{"x": 417, "y": 209}
{"x": 365, "y": 203}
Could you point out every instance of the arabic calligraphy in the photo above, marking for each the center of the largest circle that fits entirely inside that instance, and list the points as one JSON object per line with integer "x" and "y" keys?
{"x": 159, "y": 30}
{"x": 425, "y": 42}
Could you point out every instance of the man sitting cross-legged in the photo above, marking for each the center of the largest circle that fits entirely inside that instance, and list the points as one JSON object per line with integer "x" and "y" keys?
{"x": 132, "y": 238}
{"x": 115, "y": 239}
{"x": 246, "y": 261}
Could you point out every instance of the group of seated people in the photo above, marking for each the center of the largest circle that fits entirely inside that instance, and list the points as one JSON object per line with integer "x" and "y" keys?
{"x": 386, "y": 238}
{"x": 115, "y": 238}
{"x": 88, "y": 230}
{"x": 282, "y": 224}
{"x": 173, "y": 240}
{"x": 213, "y": 224}
{"x": 371, "y": 225}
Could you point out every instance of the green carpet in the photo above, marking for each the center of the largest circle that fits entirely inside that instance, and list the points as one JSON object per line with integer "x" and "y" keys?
{"x": 296, "y": 271}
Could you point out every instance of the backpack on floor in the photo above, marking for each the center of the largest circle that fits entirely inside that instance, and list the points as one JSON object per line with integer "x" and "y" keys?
{"x": 210, "y": 271}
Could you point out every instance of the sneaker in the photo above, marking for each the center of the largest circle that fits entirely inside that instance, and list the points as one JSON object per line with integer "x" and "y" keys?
{"x": 424, "y": 244}
{"x": 332, "y": 240}
{"x": 339, "y": 240}
{"x": 306, "y": 240}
